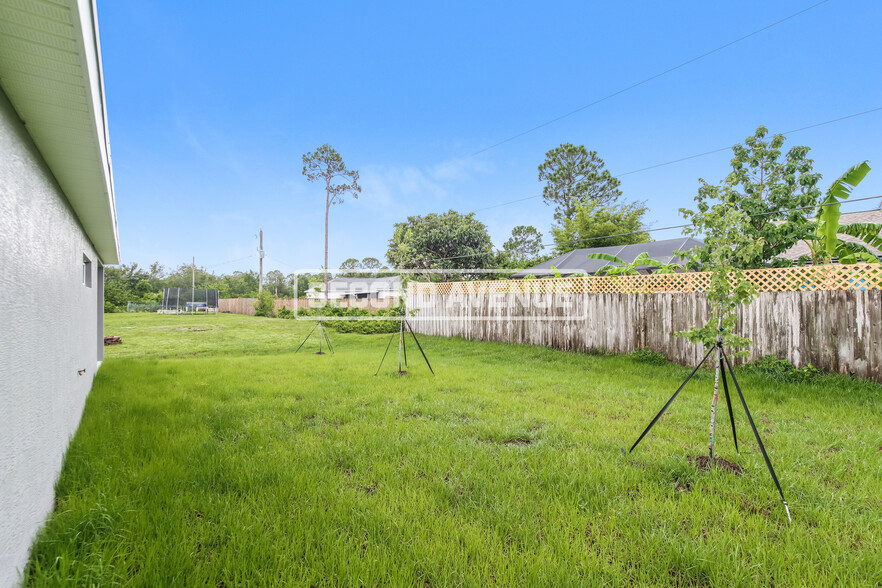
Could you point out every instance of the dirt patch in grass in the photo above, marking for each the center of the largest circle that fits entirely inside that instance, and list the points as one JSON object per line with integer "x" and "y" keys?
{"x": 518, "y": 441}
{"x": 704, "y": 462}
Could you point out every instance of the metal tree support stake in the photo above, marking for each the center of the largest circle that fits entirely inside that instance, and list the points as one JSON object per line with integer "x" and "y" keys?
{"x": 721, "y": 372}
{"x": 323, "y": 335}
{"x": 402, "y": 347}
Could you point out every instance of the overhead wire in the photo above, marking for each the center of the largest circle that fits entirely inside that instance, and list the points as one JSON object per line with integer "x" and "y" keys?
{"x": 695, "y": 156}
{"x": 721, "y": 149}
{"x": 649, "y": 79}
{"x": 650, "y": 230}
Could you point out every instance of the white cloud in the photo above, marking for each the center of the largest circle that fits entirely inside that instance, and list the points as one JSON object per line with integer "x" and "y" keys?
{"x": 397, "y": 188}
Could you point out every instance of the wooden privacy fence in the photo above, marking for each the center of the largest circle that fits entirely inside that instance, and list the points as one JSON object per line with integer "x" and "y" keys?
{"x": 246, "y": 305}
{"x": 833, "y": 321}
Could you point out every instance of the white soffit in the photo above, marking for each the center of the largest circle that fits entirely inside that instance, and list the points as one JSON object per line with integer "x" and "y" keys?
{"x": 50, "y": 69}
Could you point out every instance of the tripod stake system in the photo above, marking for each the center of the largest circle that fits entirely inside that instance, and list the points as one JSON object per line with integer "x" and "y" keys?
{"x": 723, "y": 364}
{"x": 323, "y": 337}
{"x": 402, "y": 347}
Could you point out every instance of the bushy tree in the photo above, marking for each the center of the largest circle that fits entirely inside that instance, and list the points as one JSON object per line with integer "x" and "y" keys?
{"x": 765, "y": 186}
{"x": 598, "y": 225}
{"x": 524, "y": 245}
{"x": 573, "y": 175}
{"x": 265, "y": 305}
{"x": 441, "y": 241}
{"x": 350, "y": 268}
{"x": 276, "y": 281}
{"x": 371, "y": 263}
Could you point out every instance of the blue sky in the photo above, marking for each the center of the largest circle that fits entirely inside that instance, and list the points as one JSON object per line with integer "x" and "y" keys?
{"x": 212, "y": 104}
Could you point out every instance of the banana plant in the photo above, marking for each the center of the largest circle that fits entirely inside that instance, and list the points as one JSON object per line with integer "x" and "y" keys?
{"x": 630, "y": 269}
{"x": 825, "y": 244}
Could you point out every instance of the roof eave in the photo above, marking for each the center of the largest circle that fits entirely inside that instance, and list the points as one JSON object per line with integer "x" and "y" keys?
{"x": 84, "y": 174}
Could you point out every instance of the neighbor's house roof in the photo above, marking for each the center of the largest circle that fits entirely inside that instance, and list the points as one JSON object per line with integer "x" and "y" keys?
{"x": 369, "y": 284}
{"x": 847, "y": 218}
{"x": 50, "y": 69}
{"x": 576, "y": 261}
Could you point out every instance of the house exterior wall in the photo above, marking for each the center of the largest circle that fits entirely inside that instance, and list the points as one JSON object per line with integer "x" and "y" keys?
{"x": 52, "y": 327}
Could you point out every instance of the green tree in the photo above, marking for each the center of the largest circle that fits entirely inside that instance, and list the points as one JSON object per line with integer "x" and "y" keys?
{"x": 265, "y": 305}
{"x": 597, "y": 225}
{"x": 441, "y": 241}
{"x": 350, "y": 267}
{"x": 116, "y": 294}
{"x": 371, "y": 263}
{"x": 157, "y": 275}
{"x": 275, "y": 280}
{"x": 766, "y": 187}
{"x": 325, "y": 165}
{"x": 825, "y": 242}
{"x": 524, "y": 245}
{"x": 303, "y": 285}
{"x": 573, "y": 175}
{"x": 144, "y": 287}
{"x": 729, "y": 247}
{"x": 240, "y": 284}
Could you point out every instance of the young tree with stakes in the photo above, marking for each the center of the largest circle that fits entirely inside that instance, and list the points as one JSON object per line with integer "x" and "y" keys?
{"x": 731, "y": 243}
{"x": 325, "y": 164}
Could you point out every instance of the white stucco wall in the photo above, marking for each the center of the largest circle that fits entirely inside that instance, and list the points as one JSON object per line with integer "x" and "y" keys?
{"x": 49, "y": 329}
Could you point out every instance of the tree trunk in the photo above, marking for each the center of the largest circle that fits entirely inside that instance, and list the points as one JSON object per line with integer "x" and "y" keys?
{"x": 713, "y": 419}
{"x": 327, "y": 211}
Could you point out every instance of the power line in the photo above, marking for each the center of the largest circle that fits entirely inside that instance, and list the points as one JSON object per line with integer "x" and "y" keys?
{"x": 649, "y": 79}
{"x": 230, "y": 261}
{"x": 688, "y": 157}
{"x": 780, "y": 211}
{"x": 582, "y": 240}
{"x": 813, "y": 126}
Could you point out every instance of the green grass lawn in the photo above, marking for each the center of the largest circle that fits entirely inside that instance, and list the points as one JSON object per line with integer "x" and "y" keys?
{"x": 210, "y": 454}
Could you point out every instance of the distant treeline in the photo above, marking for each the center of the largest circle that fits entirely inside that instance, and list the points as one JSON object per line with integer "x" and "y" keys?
{"x": 131, "y": 283}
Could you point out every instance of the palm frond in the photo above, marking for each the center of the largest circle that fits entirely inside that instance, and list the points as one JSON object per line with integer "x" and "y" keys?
{"x": 606, "y": 257}
{"x": 829, "y": 213}
{"x": 869, "y": 233}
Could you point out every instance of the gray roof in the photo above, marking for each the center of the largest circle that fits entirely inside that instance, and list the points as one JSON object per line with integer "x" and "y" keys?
{"x": 847, "y": 218}
{"x": 366, "y": 284}
{"x": 576, "y": 261}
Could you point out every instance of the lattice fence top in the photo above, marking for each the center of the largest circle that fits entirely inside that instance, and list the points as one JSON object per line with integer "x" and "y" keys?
{"x": 864, "y": 276}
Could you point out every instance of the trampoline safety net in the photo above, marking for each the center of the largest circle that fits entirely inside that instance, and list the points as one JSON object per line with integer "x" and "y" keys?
{"x": 190, "y": 300}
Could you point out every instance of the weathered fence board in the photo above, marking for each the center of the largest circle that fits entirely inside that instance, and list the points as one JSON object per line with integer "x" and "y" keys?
{"x": 836, "y": 330}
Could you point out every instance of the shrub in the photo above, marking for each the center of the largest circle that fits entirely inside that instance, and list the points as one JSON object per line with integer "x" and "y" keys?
{"x": 285, "y": 313}
{"x": 782, "y": 369}
{"x": 649, "y": 356}
{"x": 265, "y": 305}
{"x": 363, "y": 327}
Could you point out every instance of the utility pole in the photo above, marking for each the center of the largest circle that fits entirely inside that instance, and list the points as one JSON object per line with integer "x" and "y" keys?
{"x": 193, "y": 288}
{"x": 260, "y": 283}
